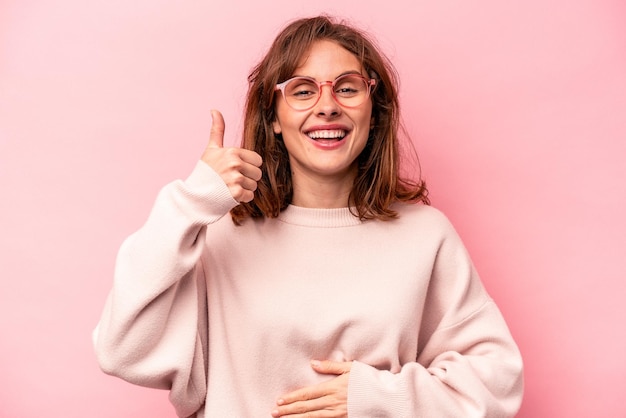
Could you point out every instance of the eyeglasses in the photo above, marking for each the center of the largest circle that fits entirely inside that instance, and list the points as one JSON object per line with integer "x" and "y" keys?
{"x": 302, "y": 93}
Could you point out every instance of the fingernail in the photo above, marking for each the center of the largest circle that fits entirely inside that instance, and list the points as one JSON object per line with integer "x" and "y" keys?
{"x": 315, "y": 363}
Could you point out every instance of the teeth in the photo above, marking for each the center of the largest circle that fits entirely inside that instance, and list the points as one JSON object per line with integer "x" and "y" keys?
{"x": 327, "y": 134}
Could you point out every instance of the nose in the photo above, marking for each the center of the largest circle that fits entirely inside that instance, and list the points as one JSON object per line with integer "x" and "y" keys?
{"x": 327, "y": 105}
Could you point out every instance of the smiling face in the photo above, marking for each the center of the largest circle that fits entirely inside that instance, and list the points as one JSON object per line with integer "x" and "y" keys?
{"x": 324, "y": 142}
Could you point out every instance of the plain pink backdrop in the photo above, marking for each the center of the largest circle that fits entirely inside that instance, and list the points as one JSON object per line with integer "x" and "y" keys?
{"x": 517, "y": 109}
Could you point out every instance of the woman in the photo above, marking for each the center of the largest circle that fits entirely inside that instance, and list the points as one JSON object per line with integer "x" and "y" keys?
{"x": 335, "y": 290}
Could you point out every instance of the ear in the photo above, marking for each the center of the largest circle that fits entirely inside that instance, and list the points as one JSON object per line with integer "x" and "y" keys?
{"x": 276, "y": 125}
{"x": 372, "y": 122}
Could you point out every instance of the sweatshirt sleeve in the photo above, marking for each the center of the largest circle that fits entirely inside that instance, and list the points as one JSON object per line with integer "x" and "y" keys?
{"x": 467, "y": 364}
{"x": 153, "y": 329}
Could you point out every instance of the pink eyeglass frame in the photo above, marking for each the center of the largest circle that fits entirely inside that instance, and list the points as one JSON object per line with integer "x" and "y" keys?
{"x": 370, "y": 84}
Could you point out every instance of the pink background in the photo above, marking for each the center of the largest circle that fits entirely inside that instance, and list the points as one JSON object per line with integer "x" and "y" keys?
{"x": 517, "y": 108}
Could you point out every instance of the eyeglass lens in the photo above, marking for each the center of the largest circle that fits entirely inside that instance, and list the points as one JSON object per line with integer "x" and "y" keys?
{"x": 348, "y": 90}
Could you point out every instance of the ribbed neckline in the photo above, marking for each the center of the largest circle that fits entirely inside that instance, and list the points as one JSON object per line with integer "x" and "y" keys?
{"x": 316, "y": 217}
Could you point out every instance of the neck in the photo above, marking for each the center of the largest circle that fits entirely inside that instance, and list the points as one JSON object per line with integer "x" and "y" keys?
{"x": 310, "y": 191}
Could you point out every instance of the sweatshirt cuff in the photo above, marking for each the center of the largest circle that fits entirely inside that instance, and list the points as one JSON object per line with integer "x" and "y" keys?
{"x": 370, "y": 388}
{"x": 207, "y": 196}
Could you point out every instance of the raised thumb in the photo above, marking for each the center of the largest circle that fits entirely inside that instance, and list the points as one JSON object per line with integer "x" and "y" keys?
{"x": 216, "y": 138}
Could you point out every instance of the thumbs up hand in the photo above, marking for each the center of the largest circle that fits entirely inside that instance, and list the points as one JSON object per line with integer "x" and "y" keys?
{"x": 238, "y": 167}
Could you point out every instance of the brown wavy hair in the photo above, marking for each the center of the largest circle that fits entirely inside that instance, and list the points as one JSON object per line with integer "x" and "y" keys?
{"x": 379, "y": 182}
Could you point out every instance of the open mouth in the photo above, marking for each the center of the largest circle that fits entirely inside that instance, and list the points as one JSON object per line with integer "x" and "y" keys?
{"x": 327, "y": 134}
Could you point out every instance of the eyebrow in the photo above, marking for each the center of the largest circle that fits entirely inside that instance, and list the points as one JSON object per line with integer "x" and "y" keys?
{"x": 342, "y": 74}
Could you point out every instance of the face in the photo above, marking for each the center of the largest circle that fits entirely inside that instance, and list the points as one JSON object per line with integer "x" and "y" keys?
{"x": 325, "y": 141}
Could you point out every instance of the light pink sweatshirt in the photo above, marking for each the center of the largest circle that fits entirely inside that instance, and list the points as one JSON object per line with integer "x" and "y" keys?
{"x": 228, "y": 318}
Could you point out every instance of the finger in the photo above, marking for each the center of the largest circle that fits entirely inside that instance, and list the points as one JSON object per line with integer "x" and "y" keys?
{"x": 331, "y": 367}
{"x": 251, "y": 157}
{"x": 325, "y": 406}
{"x": 241, "y": 188}
{"x": 216, "y": 137}
{"x": 306, "y": 394}
{"x": 239, "y": 160}
{"x": 252, "y": 172}
{"x": 242, "y": 195}
{"x": 320, "y": 407}
{"x": 327, "y": 399}
{"x": 312, "y": 408}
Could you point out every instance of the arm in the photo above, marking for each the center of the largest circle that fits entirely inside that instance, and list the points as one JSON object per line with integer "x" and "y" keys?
{"x": 471, "y": 376}
{"x": 153, "y": 330}
{"x": 467, "y": 364}
{"x": 482, "y": 381}
{"x": 153, "y": 327}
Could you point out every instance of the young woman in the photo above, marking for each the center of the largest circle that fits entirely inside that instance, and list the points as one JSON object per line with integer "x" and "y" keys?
{"x": 333, "y": 289}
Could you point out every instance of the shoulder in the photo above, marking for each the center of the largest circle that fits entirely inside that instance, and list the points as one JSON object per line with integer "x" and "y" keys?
{"x": 419, "y": 226}
{"x": 420, "y": 214}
